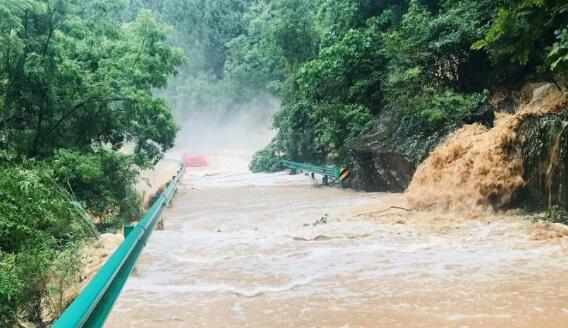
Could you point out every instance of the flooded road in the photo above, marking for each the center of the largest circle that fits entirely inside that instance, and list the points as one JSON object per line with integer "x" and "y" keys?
{"x": 274, "y": 250}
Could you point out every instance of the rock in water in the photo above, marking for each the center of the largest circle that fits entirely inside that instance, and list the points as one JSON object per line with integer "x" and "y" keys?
{"x": 545, "y": 162}
{"x": 483, "y": 114}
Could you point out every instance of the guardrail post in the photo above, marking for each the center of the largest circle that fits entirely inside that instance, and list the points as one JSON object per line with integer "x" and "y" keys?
{"x": 127, "y": 229}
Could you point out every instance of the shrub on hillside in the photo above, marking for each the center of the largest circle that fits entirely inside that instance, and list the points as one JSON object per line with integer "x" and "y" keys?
{"x": 38, "y": 220}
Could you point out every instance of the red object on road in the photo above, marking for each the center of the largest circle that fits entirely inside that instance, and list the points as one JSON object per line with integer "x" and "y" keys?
{"x": 195, "y": 161}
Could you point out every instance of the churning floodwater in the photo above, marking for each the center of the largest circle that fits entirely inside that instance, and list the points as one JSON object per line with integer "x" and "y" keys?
{"x": 274, "y": 250}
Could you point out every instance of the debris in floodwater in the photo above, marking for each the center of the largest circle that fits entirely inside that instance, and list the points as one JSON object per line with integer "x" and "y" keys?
{"x": 555, "y": 215}
{"x": 316, "y": 238}
{"x": 321, "y": 220}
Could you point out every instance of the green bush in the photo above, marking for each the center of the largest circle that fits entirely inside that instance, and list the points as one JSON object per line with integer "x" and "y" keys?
{"x": 266, "y": 160}
{"x": 103, "y": 181}
{"x": 11, "y": 287}
{"x": 558, "y": 56}
{"x": 523, "y": 31}
{"x": 445, "y": 108}
{"x": 38, "y": 220}
{"x": 555, "y": 214}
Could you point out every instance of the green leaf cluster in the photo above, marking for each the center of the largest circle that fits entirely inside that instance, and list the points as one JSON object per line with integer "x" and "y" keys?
{"x": 103, "y": 182}
{"x": 72, "y": 76}
{"x": 524, "y": 31}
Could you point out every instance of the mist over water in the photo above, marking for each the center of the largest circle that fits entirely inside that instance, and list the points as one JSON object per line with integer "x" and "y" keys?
{"x": 228, "y": 137}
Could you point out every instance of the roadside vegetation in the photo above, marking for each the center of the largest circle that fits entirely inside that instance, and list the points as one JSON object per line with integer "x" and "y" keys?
{"x": 76, "y": 81}
{"x": 425, "y": 66}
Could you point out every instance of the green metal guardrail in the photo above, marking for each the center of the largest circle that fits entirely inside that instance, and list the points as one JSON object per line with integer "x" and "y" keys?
{"x": 93, "y": 305}
{"x": 342, "y": 174}
{"x": 331, "y": 171}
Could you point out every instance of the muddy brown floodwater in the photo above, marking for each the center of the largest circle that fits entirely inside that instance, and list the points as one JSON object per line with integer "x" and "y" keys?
{"x": 273, "y": 250}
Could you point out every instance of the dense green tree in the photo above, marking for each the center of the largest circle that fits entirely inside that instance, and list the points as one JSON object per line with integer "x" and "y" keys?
{"x": 228, "y": 61}
{"x": 558, "y": 56}
{"x": 294, "y": 31}
{"x": 335, "y": 18}
{"x": 524, "y": 31}
{"x": 76, "y": 85}
{"x": 72, "y": 76}
{"x": 350, "y": 70}
{"x": 203, "y": 28}
{"x": 254, "y": 60}
{"x": 102, "y": 181}
{"x": 430, "y": 60}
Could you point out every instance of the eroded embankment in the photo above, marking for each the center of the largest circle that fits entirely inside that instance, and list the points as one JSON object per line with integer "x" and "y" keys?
{"x": 478, "y": 168}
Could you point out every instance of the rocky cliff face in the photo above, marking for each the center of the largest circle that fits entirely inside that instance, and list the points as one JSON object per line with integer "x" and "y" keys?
{"x": 379, "y": 170}
{"x": 532, "y": 133}
{"x": 385, "y": 159}
{"x": 545, "y": 163}
{"x": 544, "y": 149}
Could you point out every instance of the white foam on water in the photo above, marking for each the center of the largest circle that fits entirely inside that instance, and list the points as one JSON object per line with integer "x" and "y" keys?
{"x": 233, "y": 233}
{"x": 213, "y": 180}
{"x": 254, "y": 291}
{"x": 460, "y": 317}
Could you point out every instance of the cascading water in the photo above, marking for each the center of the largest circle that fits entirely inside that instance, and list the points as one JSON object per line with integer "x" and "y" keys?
{"x": 478, "y": 169}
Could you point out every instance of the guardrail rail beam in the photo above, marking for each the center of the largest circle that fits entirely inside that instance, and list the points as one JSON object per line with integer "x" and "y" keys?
{"x": 93, "y": 305}
{"x": 327, "y": 171}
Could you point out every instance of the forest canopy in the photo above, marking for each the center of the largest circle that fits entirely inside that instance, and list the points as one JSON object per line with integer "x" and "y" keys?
{"x": 423, "y": 66}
